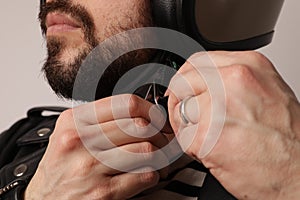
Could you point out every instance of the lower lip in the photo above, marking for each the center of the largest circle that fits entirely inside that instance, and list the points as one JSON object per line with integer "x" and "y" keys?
{"x": 61, "y": 28}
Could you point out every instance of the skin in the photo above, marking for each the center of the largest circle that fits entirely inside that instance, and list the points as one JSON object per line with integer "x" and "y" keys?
{"x": 74, "y": 28}
{"x": 68, "y": 170}
{"x": 257, "y": 154}
{"x": 259, "y": 105}
{"x": 107, "y": 23}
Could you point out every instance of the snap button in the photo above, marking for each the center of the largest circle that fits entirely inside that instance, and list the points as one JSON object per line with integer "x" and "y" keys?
{"x": 44, "y": 131}
{"x": 20, "y": 170}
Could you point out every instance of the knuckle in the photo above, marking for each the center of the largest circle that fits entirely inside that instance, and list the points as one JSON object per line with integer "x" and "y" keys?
{"x": 146, "y": 147}
{"x": 173, "y": 80}
{"x": 67, "y": 114}
{"x": 259, "y": 59}
{"x": 134, "y": 104}
{"x": 197, "y": 55}
{"x": 200, "y": 53}
{"x": 240, "y": 73}
{"x": 255, "y": 55}
{"x": 65, "y": 135}
{"x": 68, "y": 140}
{"x": 141, "y": 122}
{"x": 65, "y": 118}
{"x": 151, "y": 177}
{"x": 177, "y": 79}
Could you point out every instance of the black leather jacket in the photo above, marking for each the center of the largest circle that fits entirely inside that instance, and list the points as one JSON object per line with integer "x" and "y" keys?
{"x": 22, "y": 147}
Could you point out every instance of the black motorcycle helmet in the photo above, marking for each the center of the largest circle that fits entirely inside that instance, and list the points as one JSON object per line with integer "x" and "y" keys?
{"x": 220, "y": 24}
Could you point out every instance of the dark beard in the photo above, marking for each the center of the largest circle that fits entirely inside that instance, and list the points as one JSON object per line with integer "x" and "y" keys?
{"x": 86, "y": 67}
{"x": 62, "y": 76}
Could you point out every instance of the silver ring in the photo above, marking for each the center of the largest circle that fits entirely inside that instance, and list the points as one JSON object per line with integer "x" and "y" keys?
{"x": 182, "y": 113}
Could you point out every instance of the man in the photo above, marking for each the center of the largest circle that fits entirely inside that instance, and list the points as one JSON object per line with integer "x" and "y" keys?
{"x": 255, "y": 157}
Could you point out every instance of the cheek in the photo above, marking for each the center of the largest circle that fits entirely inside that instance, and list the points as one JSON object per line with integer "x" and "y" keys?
{"x": 113, "y": 17}
{"x": 107, "y": 22}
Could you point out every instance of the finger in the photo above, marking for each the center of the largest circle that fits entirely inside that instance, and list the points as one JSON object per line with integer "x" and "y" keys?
{"x": 130, "y": 157}
{"x": 220, "y": 59}
{"x": 185, "y": 85}
{"x": 111, "y": 134}
{"x": 131, "y": 184}
{"x": 196, "y": 109}
{"x": 119, "y": 107}
{"x": 201, "y": 59}
{"x": 195, "y": 82}
{"x": 191, "y": 138}
{"x": 199, "y": 137}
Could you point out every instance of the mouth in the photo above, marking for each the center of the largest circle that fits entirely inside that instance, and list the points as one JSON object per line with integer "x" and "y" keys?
{"x": 57, "y": 23}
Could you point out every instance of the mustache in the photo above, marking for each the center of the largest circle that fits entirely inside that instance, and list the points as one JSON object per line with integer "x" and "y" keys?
{"x": 78, "y": 12}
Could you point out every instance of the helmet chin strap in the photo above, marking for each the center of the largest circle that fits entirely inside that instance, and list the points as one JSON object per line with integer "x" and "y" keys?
{"x": 156, "y": 74}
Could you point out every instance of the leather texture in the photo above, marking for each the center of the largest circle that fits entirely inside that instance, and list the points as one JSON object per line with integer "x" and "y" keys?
{"x": 22, "y": 148}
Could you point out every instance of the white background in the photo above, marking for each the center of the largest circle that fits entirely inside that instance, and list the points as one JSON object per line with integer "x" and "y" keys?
{"x": 22, "y": 52}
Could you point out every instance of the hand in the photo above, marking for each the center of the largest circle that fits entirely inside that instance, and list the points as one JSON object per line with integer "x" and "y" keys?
{"x": 257, "y": 155}
{"x": 69, "y": 168}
